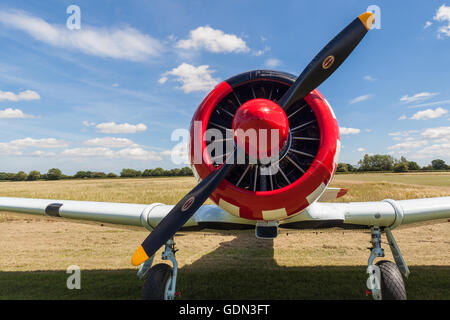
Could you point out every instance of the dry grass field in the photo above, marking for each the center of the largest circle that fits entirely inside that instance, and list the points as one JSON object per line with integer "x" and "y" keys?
{"x": 312, "y": 264}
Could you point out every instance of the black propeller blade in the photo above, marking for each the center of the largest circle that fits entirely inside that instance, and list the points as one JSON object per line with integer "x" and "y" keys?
{"x": 181, "y": 213}
{"x": 320, "y": 68}
{"x": 328, "y": 60}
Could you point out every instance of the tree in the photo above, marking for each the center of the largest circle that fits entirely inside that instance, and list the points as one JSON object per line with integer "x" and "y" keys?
{"x": 98, "y": 175}
{"x": 158, "y": 172}
{"x": 438, "y": 164}
{"x": 342, "y": 167}
{"x": 401, "y": 167}
{"x": 186, "y": 171}
{"x": 34, "y": 175}
{"x": 413, "y": 165}
{"x": 20, "y": 176}
{"x": 130, "y": 173}
{"x": 54, "y": 174}
{"x": 82, "y": 175}
{"x": 173, "y": 172}
{"x": 112, "y": 175}
{"x": 376, "y": 162}
{"x": 6, "y": 176}
{"x": 147, "y": 173}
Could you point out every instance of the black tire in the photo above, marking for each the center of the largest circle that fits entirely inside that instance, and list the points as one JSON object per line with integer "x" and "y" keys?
{"x": 156, "y": 284}
{"x": 392, "y": 285}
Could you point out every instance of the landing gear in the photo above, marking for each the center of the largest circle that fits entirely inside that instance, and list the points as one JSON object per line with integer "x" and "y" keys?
{"x": 392, "y": 285}
{"x": 385, "y": 280}
{"x": 160, "y": 280}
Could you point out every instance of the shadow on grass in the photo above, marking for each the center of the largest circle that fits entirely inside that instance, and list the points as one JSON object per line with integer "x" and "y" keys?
{"x": 243, "y": 268}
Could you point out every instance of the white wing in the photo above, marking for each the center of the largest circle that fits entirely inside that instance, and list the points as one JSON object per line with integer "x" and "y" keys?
{"x": 387, "y": 213}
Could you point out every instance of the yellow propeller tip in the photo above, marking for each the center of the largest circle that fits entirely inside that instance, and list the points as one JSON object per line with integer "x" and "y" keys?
{"x": 139, "y": 256}
{"x": 367, "y": 19}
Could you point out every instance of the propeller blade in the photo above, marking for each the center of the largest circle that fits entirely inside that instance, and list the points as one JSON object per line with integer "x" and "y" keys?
{"x": 181, "y": 213}
{"x": 328, "y": 60}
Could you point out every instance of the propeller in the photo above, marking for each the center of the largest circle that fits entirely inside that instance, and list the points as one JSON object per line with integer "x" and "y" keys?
{"x": 181, "y": 213}
{"x": 318, "y": 70}
{"x": 328, "y": 59}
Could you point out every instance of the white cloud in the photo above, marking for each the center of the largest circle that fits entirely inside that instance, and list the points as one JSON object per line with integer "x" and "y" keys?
{"x": 192, "y": 78}
{"x": 7, "y": 149}
{"x": 261, "y": 52}
{"x": 402, "y": 117}
{"x": 112, "y": 127}
{"x": 88, "y": 124}
{"x": 427, "y": 24}
{"x": 399, "y": 134}
{"x": 10, "y": 113}
{"x": 15, "y": 147}
{"x": 24, "y": 95}
{"x": 40, "y": 153}
{"x": 408, "y": 145}
{"x": 137, "y": 153}
{"x": 126, "y": 43}
{"x": 163, "y": 80}
{"x": 370, "y": 78}
{"x": 443, "y": 15}
{"x": 88, "y": 152}
{"x": 47, "y": 143}
{"x": 417, "y": 97}
{"x": 430, "y": 143}
{"x": 438, "y": 150}
{"x": 361, "y": 149}
{"x": 212, "y": 40}
{"x": 360, "y": 99}
{"x": 345, "y": 131}
{"x": 272, "y": 62}
{"x": 429, "y": 104}
{"x": 429, "y": 114}
{"x": 109, "y": 142}
{"x": 440, "y": 134}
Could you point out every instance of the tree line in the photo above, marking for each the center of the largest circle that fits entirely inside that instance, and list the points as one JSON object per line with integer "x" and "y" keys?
{"x": 369, "y": 163}
{"x": 56, "y": 174}
{"x": 380, "y": 162}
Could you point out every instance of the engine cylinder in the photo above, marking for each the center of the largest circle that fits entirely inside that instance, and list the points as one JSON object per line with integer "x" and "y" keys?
{"x": 259, "y": 191}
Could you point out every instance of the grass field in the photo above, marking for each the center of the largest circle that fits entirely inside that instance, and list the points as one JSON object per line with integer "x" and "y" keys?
{"x": 325, "y": 264}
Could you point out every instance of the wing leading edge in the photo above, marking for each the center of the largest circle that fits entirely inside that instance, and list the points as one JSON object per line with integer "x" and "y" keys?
{"x": 386, "y": 213}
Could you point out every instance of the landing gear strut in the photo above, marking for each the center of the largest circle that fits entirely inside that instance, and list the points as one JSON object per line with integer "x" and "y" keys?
{"x": 385, "y": 280}
{"x": 161, "y": 279}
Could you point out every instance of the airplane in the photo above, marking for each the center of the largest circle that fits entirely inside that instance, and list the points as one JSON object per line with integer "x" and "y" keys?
{"x": 281, "y": 186}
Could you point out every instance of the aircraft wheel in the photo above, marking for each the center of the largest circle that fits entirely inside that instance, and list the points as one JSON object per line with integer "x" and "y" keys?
{"x": 392, "y": 285}
{"x": 157, "y": 283}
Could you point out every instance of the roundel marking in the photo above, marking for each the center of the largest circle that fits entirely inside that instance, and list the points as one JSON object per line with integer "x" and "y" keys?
{"x": 328, "y": 62}
{"x": 187, "y": 204}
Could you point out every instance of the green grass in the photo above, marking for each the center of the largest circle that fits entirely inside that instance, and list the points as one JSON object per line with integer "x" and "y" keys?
{"x": 319, "y": 264}
{"x": 343, "y": 282}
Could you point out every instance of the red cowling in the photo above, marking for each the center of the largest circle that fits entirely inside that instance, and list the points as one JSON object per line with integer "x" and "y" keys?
{"x": 285, "y": 199}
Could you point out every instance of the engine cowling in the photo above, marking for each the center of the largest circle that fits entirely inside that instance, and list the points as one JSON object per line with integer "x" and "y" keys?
{"x": 306, "y": 165}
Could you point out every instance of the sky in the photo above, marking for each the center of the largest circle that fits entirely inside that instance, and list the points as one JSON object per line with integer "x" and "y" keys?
{"x": 113, "y": 91}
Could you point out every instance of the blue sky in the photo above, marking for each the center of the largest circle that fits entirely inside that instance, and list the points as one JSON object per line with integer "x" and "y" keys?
{"x": 109, "y": 95}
